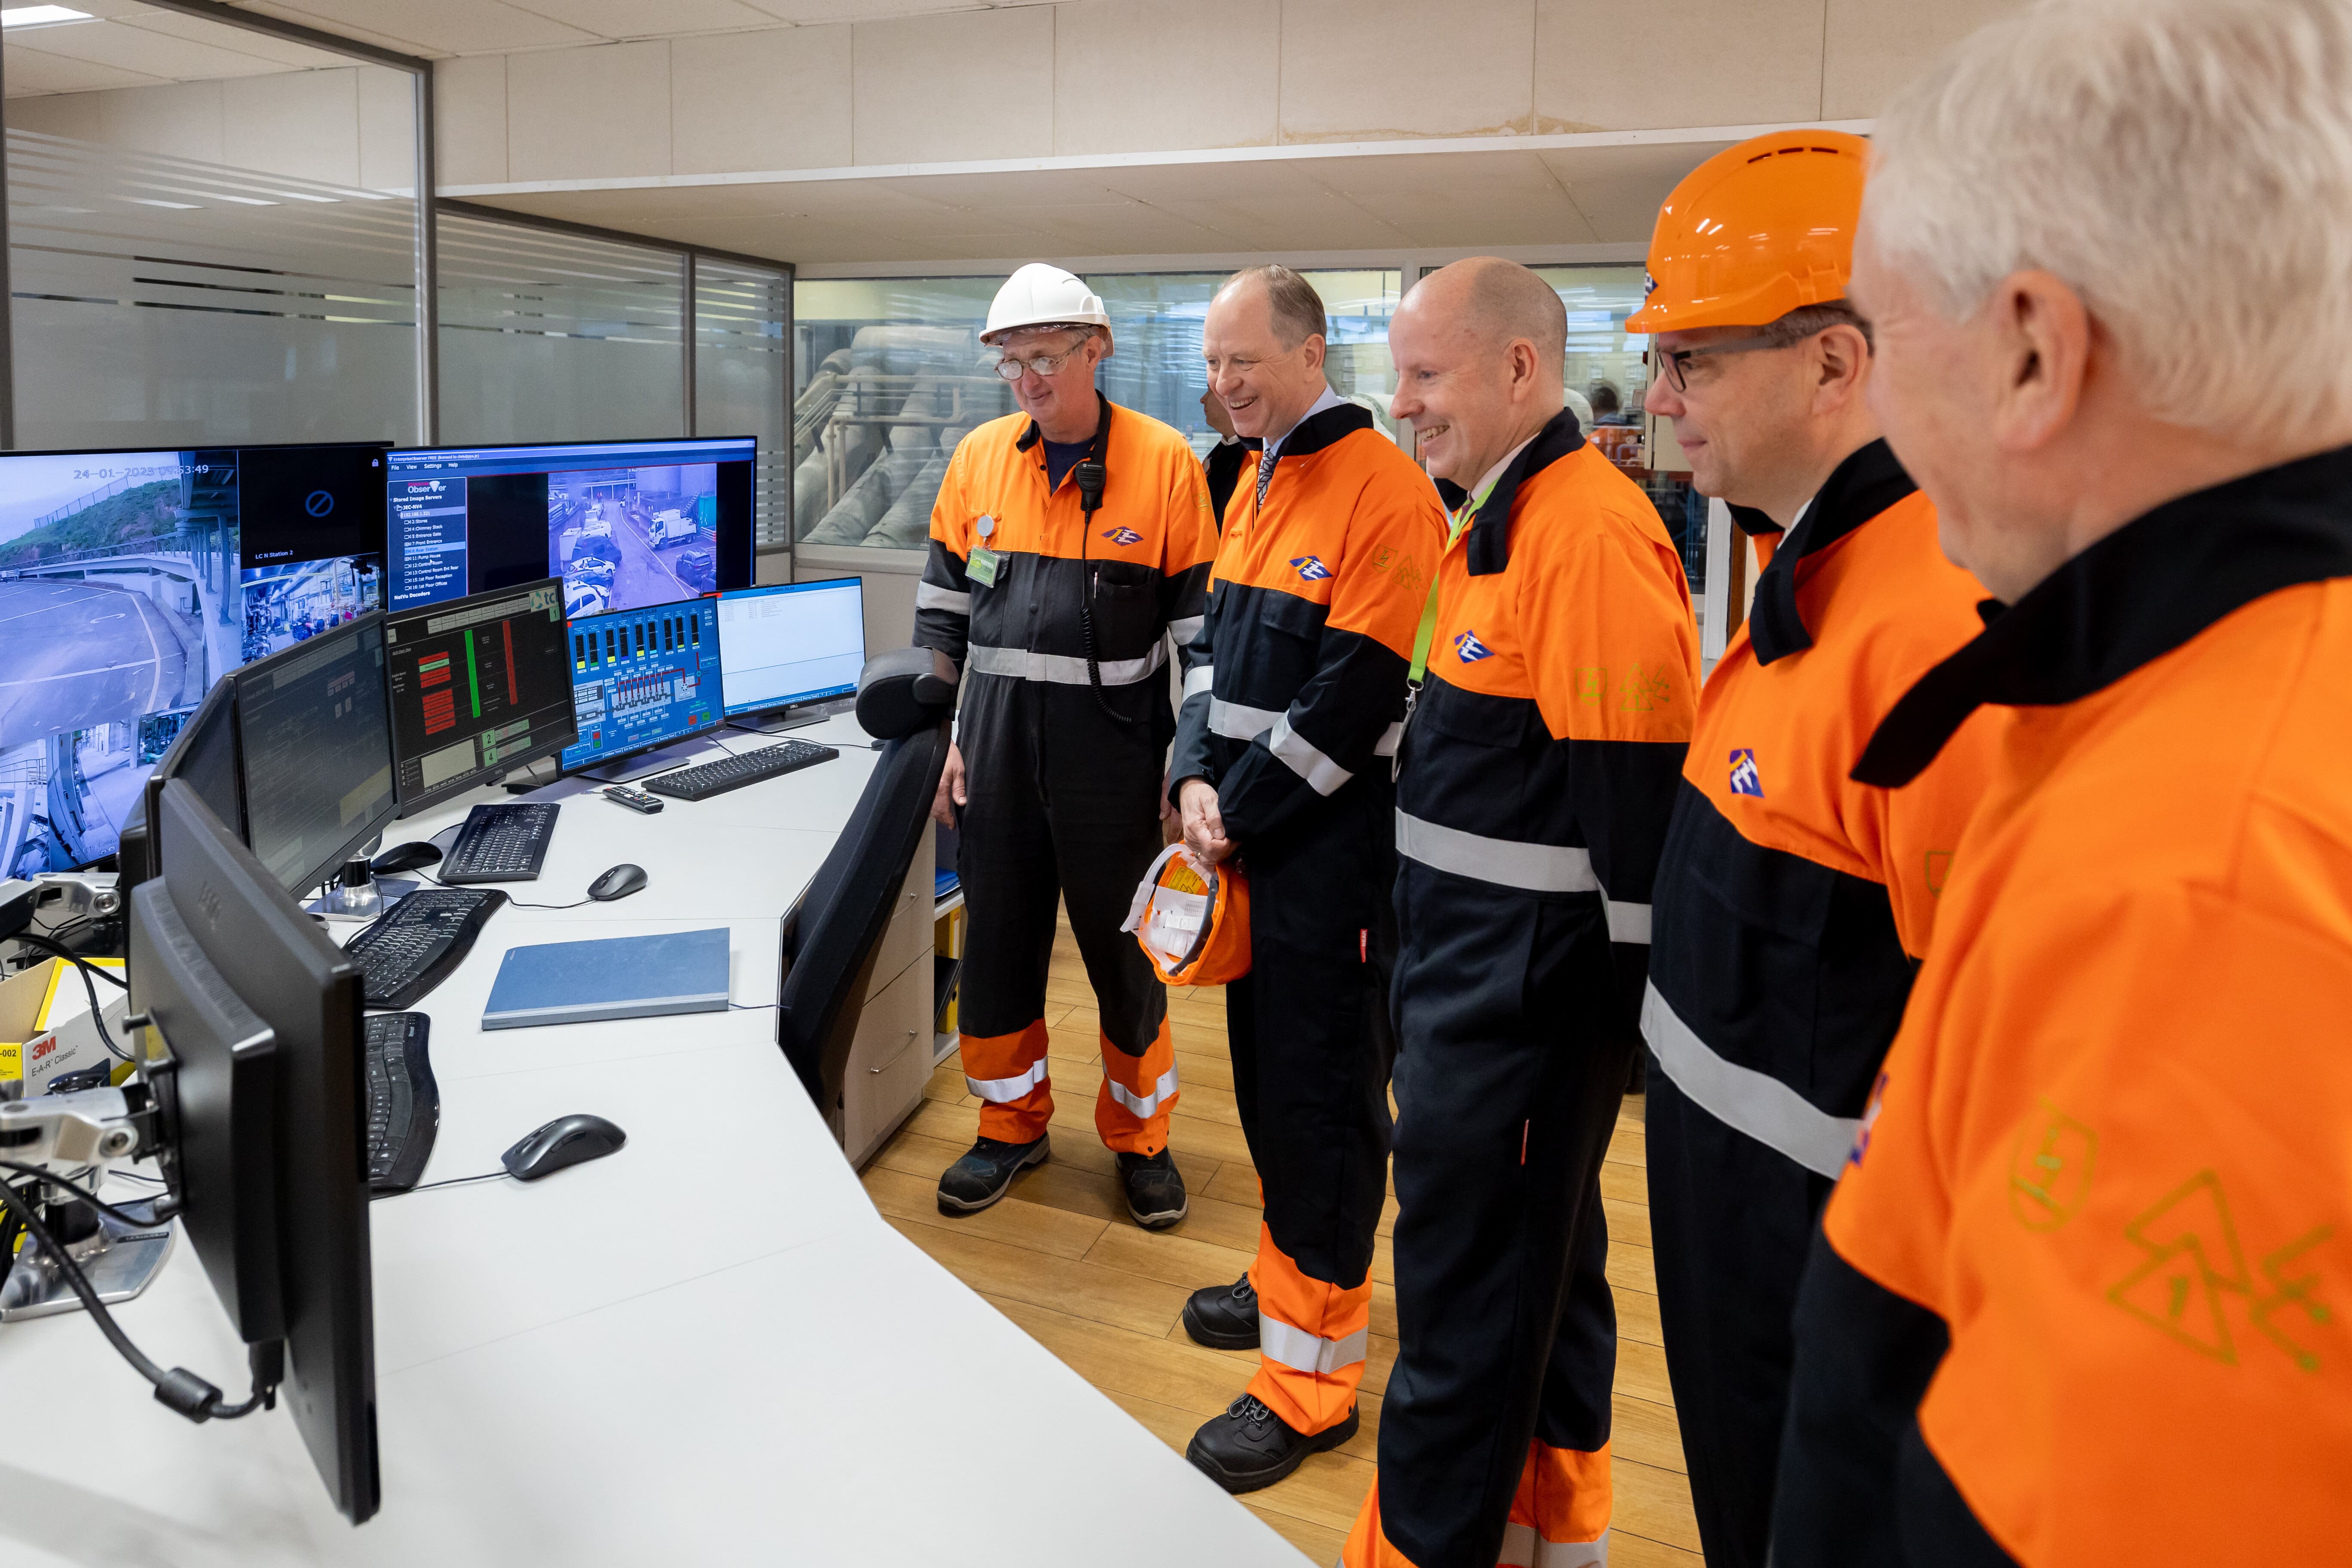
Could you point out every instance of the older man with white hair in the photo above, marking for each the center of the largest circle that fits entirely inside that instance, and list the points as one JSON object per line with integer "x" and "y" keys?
{"x": 2080, "y": 1296}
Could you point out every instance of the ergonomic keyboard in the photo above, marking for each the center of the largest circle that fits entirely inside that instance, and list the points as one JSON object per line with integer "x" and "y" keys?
{"x": 501, "y": 843}
{"x": 414, "y": 945}
{"x": 404, "y": 1103}
{"x": 707, "y": 779}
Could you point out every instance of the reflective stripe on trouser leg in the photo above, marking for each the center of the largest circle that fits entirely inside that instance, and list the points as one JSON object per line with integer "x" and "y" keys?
{"x": 1008, "y": 1073}
{"x": 1559, "y": 1519}
{"x": 1132, "y": 1108}
{"x": 1311, "y": 1339}
{"x": 1367, "y": 1544}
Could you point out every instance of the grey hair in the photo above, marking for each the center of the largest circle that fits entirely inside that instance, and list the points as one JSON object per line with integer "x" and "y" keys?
{"x": 1806, "y": 320}
{"x": 2184, "y": 165}
{"x": 1297, "y": 309}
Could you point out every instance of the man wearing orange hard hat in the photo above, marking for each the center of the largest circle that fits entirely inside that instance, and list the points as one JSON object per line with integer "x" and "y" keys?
{"x": 1791, "y": 904}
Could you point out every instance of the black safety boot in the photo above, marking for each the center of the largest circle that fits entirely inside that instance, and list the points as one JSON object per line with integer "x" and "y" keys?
{"x": 980, "y": 1178}
{"x": 1155, "y": 1189}
{"x": 1223, "y": 1317}
{"x": 1250, "y": 1446}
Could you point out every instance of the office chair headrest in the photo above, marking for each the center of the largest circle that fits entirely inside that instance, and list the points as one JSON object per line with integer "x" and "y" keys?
{"x": 904, "y": 691}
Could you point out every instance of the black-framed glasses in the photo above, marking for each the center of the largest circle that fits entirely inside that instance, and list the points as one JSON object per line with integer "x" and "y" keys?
{"x": 1672, "y": 362}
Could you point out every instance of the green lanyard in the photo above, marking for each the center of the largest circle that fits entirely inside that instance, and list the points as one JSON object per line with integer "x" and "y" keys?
{"x": 1456, "y": 524}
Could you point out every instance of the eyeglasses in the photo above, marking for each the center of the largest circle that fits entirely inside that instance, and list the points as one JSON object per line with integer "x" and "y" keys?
{"x": 1044, "y": 364}
{"x": 1672, "y": 363}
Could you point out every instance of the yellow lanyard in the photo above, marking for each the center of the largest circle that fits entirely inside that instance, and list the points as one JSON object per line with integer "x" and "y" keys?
{"x": 1456, "y": 524}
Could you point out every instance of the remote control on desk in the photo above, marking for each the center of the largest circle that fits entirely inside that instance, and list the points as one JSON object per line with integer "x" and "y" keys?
{"x": 635, "y": 799}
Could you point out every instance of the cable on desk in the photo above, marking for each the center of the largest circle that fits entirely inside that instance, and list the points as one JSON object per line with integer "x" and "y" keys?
{"x": 445, "y": 1181}
{"x": 165, "y": 1206}
{"x": 179, "y": 1388}
{"x": 97, "y": 1014}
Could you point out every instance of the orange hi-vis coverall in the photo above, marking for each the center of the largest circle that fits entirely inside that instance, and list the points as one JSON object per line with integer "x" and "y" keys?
{"x": 1064, "y": 777}
{"x": 1292, "y": 716}
{"x": 1791, "y": 909}
{"x": 2083, "y": 1297}
{"x": 1539, "y": 771}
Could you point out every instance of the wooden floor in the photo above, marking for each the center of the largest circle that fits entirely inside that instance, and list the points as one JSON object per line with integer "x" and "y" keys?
{"x": 1059, "y": 1257}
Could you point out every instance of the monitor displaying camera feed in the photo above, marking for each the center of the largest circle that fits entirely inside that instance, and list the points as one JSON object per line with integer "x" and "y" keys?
{"x": 627, "y": 525}
{"x": 130, "y": 581}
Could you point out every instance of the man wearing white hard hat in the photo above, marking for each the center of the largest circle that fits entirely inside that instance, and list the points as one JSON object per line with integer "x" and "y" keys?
{"x": 1070, "y": 542}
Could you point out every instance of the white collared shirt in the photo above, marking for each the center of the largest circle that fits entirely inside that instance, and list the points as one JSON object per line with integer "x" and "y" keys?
{"x": 1330, "y": 399}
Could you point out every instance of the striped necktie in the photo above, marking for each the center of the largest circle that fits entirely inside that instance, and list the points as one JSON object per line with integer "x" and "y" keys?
{"x": 1264, "y": 474}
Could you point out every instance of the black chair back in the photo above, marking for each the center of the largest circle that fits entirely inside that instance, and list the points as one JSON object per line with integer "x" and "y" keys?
{"x": 833, "y": 929}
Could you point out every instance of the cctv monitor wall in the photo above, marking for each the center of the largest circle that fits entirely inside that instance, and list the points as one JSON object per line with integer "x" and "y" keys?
{"x": 791, "y": 644}
{"x": 627, "y": 525}
{"x": 130, "y": 583}
{"x": 477, "y": 687}
{"x": 249, "y": 938}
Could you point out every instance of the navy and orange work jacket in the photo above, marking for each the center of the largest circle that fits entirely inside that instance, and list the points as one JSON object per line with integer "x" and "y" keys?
{"x": 1141, "y": 564}
{"x": 1548, "y": 736}
{"x": 1299, "y": 675}
{"x": 2085, "y": 1291}
{"x": 1793, "y": 902}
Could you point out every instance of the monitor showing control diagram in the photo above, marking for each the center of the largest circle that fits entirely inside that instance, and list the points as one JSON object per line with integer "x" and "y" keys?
{"x": 479, "y": 687}
{"x": 642, "y": 679}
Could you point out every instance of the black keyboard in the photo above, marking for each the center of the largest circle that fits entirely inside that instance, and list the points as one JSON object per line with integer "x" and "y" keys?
{"x": 404, "y": 1103}
{"x": 414, "y": 945}
{"x": 707, "y": 779}
{"x": 501, "y": 843}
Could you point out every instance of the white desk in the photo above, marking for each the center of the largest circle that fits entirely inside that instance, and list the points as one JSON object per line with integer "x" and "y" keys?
{"x": 706, "y": 1349}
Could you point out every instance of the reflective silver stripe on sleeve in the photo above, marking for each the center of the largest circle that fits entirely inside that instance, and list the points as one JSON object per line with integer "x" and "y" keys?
{"x": 1065, "y": 670}
{"x": 1322, "y": 775}
{"x": 1197, "y": 681}
{"x": 1538, "y": 867}
{"x": 1185, "y": 630}
{"x": 1521, "y": 1544}
{"x": 1144, "y": 1105}
{"x": 1001, "y": 1090}
{"x": 1741, "y": 1097}
{"x": 1295, "y": 1348}
{"x": 1236, "y": 722}
{"x": 931, "y": 597}
{"x": 1391, "y": 738}
{"x": 1627, "y": 922}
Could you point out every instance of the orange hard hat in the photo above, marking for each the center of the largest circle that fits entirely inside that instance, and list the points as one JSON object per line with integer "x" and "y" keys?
{"x": 1756, "y": 231}
{"x": 1192, "y": 919}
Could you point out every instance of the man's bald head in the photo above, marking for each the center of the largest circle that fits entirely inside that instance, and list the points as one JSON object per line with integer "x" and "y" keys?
{"x": 1498, "y": 302}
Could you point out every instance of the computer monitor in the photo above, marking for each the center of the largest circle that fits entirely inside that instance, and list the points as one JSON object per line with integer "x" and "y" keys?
{"x": 642, "y": 678}
{"x": 314, "y": 754}
{"x": 131, "y": 581}
{"x": 252, "y": 1002}
{"x": 477, "y": 687}
{"x": 204, "y": 752}
{"x": 626, "y": 524}
{"x": 791, "y": 643}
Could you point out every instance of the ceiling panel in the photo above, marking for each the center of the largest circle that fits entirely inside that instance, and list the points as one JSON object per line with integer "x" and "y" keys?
{"x": 239, "y": 40}
{"x": 434, "y": 26}
{"x": 646, "y": 18}
{"x": 126, "y": 47}
{"x": 33, "y": 72}
{"x": 1618, "y": 189}
{"x": 859, "y": 10}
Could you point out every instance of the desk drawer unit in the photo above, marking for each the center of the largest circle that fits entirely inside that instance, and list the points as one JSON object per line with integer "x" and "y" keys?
{"x": 910, "y": 930}
{"x": 890, "y": 1062}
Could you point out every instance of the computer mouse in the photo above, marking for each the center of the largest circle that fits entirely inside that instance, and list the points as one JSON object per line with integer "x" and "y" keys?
{"x": 409, "y": 857}
{"x": 567, "y": 1141}
{"x": 617, "y": 883}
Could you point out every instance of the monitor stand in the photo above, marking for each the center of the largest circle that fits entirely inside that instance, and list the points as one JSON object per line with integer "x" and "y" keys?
{"x": 800, "y": 718}
{"x": 119, "y": 1260}
{"x": 645, "y": 764}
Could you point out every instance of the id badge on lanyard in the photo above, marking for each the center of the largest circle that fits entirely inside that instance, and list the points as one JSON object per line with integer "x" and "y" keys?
{"x": 1456, "y": 524}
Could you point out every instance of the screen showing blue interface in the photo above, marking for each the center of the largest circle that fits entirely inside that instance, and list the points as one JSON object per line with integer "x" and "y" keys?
{"x": 130, "y": 583}
{"x": 643, "y": 678}
{"x": 626, "y": 524}
{"x": 798, "y": 642}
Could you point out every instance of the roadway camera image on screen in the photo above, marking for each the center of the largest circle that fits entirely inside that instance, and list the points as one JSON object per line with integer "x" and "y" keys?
{"x": 129, "y": 581}
{"x": 623, "y": 539}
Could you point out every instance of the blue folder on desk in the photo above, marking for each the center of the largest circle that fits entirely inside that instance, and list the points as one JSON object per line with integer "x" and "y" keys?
{"x": 614, "y": 977}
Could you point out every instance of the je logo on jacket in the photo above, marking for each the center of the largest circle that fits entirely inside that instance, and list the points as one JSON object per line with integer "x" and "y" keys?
{"x": 1470, "y": 650}
{"x": 1310, "y": 569}
{"x": 1122, "y": 536}
{"x": 1745, "y": 779}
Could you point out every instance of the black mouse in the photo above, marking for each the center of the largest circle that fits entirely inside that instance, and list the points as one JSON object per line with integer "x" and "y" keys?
{"x": 617, "y": 883}
{"x": 567, "y": 1141}
{"x": 410, "y": 856}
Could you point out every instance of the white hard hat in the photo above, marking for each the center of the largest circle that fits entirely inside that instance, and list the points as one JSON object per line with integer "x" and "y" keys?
{"x": 1042, "y": 296}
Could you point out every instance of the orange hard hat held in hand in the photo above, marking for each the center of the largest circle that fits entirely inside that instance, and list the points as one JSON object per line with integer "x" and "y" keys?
{"x": 1755, "y": 231}
{"x": 1192, "y": 919}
